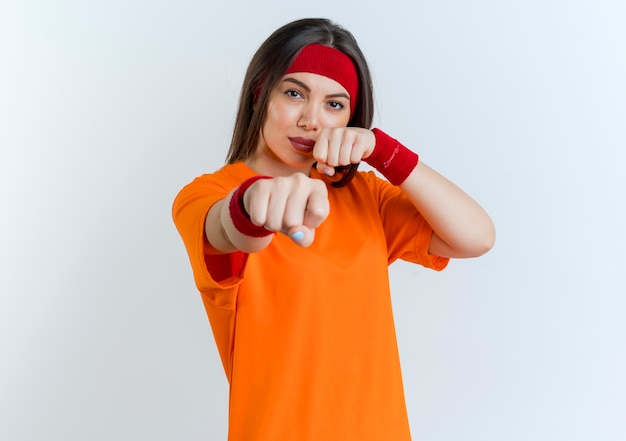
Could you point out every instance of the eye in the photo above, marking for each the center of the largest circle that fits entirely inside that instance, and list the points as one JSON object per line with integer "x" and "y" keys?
{"x": 336, "y": 105}
{"x": 293, "y": 93}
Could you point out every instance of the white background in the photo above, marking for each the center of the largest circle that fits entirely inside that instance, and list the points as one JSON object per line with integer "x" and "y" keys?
{"x": 107, "y": 108}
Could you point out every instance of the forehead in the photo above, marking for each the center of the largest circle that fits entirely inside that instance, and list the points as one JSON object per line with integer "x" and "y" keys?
{"x": 314, "y": 82}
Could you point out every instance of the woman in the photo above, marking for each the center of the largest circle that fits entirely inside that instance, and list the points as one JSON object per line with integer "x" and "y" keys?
{"x": 290, "y": 244}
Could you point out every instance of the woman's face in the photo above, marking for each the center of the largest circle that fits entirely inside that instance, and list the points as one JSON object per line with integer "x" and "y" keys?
{"x": 299, "y": 106}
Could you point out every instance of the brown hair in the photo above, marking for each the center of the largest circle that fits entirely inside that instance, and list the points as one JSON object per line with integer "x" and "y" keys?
{"x": 267, "y": 67}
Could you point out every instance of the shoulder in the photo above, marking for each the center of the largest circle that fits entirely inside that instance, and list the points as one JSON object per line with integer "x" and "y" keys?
{"x": 369, "y": 180}
{"x": 227, "y": 177}
{"x": 203, "y": 191}
{"x": 366, "y": 177}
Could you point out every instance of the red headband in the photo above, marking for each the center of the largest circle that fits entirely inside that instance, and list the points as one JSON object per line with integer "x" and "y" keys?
{"x": 331, "y": 63}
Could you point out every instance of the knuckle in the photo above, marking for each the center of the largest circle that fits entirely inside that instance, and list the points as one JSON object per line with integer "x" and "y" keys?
{"x": 272, "y": 224}
{"x": 319, "y": 186}
{"x": 319, "y": 212}
{"x": 255, "y": 219}
{"x": 300, "y": 177}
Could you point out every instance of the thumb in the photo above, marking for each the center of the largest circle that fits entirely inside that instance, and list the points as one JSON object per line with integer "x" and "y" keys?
{"x": 325, "y": 169}
{"x": 301, "y": 235}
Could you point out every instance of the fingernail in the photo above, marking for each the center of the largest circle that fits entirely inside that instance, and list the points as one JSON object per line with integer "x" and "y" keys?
{"x": 328, "y": 171}
{"x": 297, "y": 236}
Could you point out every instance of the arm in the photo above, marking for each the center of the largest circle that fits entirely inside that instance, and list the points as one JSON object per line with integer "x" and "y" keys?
{"x": 293, "y": 205}
{"x": 461, "y": 227}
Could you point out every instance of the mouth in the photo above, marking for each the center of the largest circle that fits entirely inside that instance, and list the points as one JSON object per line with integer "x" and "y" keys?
{"x": 304, "y": 145}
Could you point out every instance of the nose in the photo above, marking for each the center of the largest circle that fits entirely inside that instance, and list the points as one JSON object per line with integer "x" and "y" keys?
{"x": 309, "y": 118}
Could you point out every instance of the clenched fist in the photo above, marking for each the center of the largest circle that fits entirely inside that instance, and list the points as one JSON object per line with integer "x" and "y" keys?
{"x": 293, "y": 205}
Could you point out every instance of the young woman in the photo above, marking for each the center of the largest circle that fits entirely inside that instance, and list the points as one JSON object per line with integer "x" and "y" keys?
{"x": 290, "y": 244}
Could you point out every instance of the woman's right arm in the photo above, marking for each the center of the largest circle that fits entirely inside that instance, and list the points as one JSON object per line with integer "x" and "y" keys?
{"x": 293, "y": 205}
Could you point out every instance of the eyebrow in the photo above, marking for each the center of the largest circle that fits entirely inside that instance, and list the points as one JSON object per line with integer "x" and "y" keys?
{"x": 308, "y": 89}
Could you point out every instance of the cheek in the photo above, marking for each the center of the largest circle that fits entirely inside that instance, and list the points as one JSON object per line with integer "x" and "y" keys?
{"x": 337, "y": 119}
{"x": 275, "y": 123}
{"x": 281, "y": 115}
{"x": 270, "y": 119}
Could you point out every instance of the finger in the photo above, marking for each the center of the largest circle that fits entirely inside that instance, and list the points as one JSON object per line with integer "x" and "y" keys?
{"x": 325, "y": 168}
{"x": 363, "y": 146}
{"x": 320, "y": 149}
{"x": 335, "y": 141}
{"x": 295, "y": 205}
{"x": 307, "y": 203}
{"x": 301, "y": 235}
{"x": 317, "y": 206}
{"x": 276, "y": 203}
{"x": 346, "y": 149}
{"x": 255, "y": 201}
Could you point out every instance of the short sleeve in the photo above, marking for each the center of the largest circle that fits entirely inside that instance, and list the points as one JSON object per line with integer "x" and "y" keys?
{"x": 406, "y": 231}
{"x": 211, "y": 270}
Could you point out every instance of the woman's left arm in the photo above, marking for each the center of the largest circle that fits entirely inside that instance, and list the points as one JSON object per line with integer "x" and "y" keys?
{"x": 461, "y": 227}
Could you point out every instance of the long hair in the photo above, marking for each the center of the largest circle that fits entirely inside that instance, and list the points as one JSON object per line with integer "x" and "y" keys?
{"x": 267, "y": 67}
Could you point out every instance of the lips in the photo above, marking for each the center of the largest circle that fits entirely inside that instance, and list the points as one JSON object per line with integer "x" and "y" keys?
{"x": 304, "y": 145}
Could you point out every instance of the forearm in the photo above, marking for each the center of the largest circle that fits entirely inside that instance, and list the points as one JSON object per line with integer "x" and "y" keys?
{"x": 461, "y": 227}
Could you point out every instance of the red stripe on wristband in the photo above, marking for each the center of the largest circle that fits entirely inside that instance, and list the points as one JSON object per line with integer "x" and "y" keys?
{"x": 239, "y": 215}
{"x": 393, "y": 160}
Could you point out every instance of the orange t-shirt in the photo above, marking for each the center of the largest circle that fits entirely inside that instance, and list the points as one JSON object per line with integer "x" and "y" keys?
{"x": 306, "y": 335}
